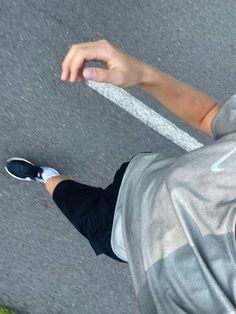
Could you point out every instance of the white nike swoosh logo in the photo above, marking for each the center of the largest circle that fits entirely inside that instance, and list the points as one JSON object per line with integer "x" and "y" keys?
{"x": 216, "y": 166}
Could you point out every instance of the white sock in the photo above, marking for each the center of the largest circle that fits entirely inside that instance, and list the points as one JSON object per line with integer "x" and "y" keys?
{"x": 49, "y": 173}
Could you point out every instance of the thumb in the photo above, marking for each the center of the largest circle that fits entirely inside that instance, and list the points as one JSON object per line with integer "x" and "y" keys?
{"x": 96, "y": 74}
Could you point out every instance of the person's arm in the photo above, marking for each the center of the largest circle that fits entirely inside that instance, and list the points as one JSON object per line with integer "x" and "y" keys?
{"x": 123, "y": 70}
{"x": 189, "y": 104}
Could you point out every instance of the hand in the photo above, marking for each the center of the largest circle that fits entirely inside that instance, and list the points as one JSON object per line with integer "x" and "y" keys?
{"x": 123, "y": 70}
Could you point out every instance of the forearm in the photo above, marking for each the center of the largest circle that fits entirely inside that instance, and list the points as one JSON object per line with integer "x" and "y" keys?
{"x": 187, "y": 103}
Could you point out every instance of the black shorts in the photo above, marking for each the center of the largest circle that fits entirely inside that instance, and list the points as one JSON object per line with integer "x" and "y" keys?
{"x": 91, "y": 210}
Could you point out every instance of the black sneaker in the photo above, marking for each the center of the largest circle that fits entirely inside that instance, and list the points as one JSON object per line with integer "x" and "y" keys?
{"x": 24, "y": 170}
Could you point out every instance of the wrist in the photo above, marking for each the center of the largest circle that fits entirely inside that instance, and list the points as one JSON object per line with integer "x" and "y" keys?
{"x": 150, "y": 76}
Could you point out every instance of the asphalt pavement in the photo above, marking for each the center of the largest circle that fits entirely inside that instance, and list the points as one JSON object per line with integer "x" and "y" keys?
{"x": 46, "y": 266}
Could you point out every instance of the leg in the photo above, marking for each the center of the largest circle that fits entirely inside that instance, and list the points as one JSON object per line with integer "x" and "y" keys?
{"x": 89, "y": 209}
{"x": 53, "y": 182}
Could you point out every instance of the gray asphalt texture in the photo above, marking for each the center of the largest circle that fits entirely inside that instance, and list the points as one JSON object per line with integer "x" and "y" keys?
{"x": 46, "y": 266}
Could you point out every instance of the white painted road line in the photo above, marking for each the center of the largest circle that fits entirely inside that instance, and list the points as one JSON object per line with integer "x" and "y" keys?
{"x": 145, "y": 114}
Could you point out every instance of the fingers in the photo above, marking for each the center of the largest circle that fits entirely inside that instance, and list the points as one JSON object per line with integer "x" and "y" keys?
{"x": 72, "y": 66}
{"x": 65, "y": 64}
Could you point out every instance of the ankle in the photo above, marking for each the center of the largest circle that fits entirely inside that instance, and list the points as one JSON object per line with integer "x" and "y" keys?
{"x": 52, "y": 182}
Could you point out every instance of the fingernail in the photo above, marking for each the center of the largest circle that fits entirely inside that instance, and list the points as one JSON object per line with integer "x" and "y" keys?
{"x": 89, "y": 74}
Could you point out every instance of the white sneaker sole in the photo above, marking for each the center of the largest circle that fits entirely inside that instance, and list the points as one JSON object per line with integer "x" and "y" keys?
{"x": 12, "y": 175}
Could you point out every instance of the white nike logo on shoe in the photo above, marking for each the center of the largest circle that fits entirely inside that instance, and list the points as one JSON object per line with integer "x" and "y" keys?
{"x": 216, "y": 166}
